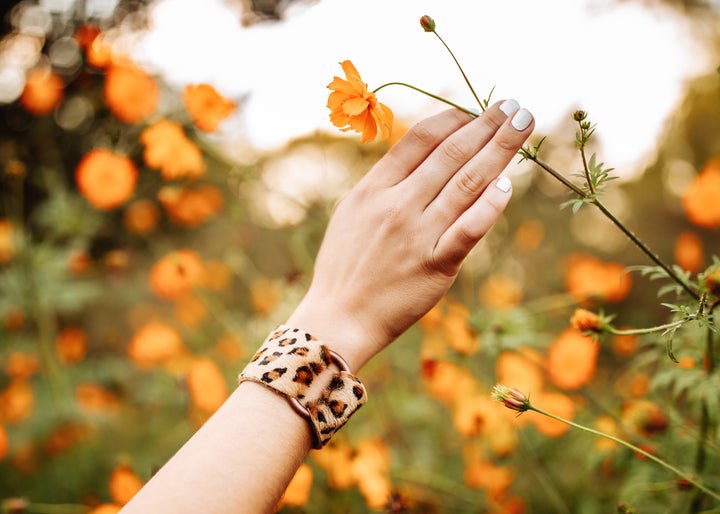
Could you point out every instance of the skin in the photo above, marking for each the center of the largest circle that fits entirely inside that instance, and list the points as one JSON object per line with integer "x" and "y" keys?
{"x": 391, "y": 251}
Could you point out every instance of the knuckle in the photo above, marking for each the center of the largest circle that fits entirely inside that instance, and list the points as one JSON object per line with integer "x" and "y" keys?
{"x": 423, "y": 135}
{"x": 469, "y": 183}
{"x": 506, "y": 144}
{"x": 454, "y": 151}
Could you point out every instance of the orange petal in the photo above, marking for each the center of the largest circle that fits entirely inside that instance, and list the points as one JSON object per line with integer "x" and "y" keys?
{"x": 355, "y": 106}
{"x": 369, "y": 130}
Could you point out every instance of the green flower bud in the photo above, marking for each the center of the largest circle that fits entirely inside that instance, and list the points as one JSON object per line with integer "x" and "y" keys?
{"x": 427, "y": 23}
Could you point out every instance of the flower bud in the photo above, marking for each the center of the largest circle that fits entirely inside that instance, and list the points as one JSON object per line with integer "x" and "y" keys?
{"x": 586, "y": 321}
{"x": 511, "y": 398}
{"x": 427, "y": 23}
{"x": 712, "y": 281}
{"x": 579, "y": 115}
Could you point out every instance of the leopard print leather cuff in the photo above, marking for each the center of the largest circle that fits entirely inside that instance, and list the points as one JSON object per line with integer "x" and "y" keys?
{"x": 288, "y": 363}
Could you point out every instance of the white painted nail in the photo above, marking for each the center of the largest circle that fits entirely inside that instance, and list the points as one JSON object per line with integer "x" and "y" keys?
{"x": 522, "y": 119}
{"x": 509, "y": 107}
{"x": 503, "y": 184}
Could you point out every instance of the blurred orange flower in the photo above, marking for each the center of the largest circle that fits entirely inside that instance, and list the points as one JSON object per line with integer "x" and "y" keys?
{"x": 155, "y": 343}
{"x": 585, "y": 320}
{"x": 16, "y": 401}
{"x": 485, "y": 475}
{"x": 217, "y": 275}
{"x": 4, "y": 443}
{"x": 168, "y": 149}
{"x": 687, "y": 362}
{"x": 105, "y": 179}
{"x": 191, "y": 207}
{"x": 607, "y": 425}
{"x": 644, "y": 417}
{"x": 99, "y": 52}
{"x": 231, "y": 348}
{"x": 130, "y": 93}
{"x": 124, "y": 484}
{"x": 106, "y": 508}
{"x": 265, "y": 296}
{"x": 85, "y": 35}
{"x": 297, "y": 492}
{"x": 13, "y": 319}
{"x": 458, "y": 331}
{"x": 7, "y": 240}
{"x": 336, "y": 459}
{"x": 43, "y": 91}
{"x": 589, "y": 278}
{"x": 700, "y": 198}
{"x": 95, "y": 398}
{"x": 571, "y": 359}
{"x": 522, "y": 369}
{"x": 190, "y": 310}
{"x": 446, "y": 381}
{"x": 206, "y": 106}
{"x": 370, "y": 467}
{"x": 208, "y": 389}
{"x": 21, "y": 365}
{"x": 71, "y": 345}
{"x": 500, "y": 292}
{"x": 554, "y": 403}
{"x": 141, "y": 217}
{"x": 176, "y": 274}
{"x": 689, "y": 252}
{"x": 624, "y": 345}
{"x": 355, "y": 108}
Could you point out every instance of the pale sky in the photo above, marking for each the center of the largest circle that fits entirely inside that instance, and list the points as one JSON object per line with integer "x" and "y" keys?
{"x": 624, "y": 63}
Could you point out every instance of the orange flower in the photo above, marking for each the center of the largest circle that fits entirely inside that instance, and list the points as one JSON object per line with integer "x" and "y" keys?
{"x": 522, "y": 369}
{"x": 607, "y": 425}
{"x": 355, "y": 108}
{"x": 297, "y": 492}
{"x": 71, "y": 345}
{"x": 130, "y": 93}
{"x": 457, "y": 330}
{"x": 16, "y": 402}
{"x": 447, "y": 382}
{"x": 217, "y": 275}
{"x": 4, "y": 443}
{"x": 554, "y": 403}
{"x": 336, "y": 459}
{"x": 85, "y": 35}
{"x": 700, "y": 198}
{"x": 21, "y": 365}
{"x": 176, "y": 274}
{"x": 370, "y": 467}
{"x": 99, "y": 52}
{"x": 585, "y": 320}
{"x": 689, "y": 252}
{"x": 13, "y": 319}
{"x": 191, "y": 207}
{"x": 571, "y": 359}
{"x": 485, "y": 475}
{"x": 206, "y": 106}
{"x": 500, "y": 292}
{"x": 95, "y": 398}
{"x": 124, "y": 484}
{"x": 105, "y": 179}
{"x": 624, "y": 345}
{"x": 190, "y": 310}
{"x": 588, "y": 278}
{"x": 141, "y": 217}
{"x": 43, "y": 91}
{"x": 168, "y": 149}
{"x": 645, "y": 417}
{"x": 265, "y": 296}
{"x": 7, "y": 240}
{"x": 208, "y": 389}
{"x": 155, "y": 343}
{"x": 231, "y": 348}
{"x": 106, "y": 508}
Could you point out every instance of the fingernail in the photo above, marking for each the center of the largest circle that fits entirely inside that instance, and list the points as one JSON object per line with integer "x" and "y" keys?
{"x": 522, "y": 119}
{"x": 503, "y": 184}
{"x": 509, "y": 107}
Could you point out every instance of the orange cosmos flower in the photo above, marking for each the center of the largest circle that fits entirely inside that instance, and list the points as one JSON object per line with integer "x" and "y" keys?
{"x": 208, "y": 389}
{"x": 265, "y": 296}
{"x": 588, "y": 278}
{"x": 447, "y": 382}
{"x": 689, "y": 252}
{"x": 297, "y": 493}
{"x": 585, "y": 320}
{"x": 141, "y": 217}
{"x": 168, "y": 149}
{"x": 105, "y": 179}
{"x": 130, "y": 93}
{"x": 124, "y": 484}
{"x": 176, "y": 274}
{"x": 99, "y": 52}
{"x": 700, "y": 198}
{"x": 355, "y": 108}
{"x": 501, "y": 292}
{"x": 4, "y": 443}
{"x": 485, "y": 475}
{"x": 190, "y": 310}
{"x": 206, "y": 106}
{"x": 95, "y": 398}
{"x": 624, "y": 345}
{"x": 522, "y": 369}
{"x": 21, "y": 365}
{"x": 17, "y": 401}
{"x": 191, "y": 207}
{"x": 458, "y": 331}
{"x": 43, "y": 91}
{"x": 571, "y": 359}
{"x": 71, "y": 345}
{"x": 154, "y": 343}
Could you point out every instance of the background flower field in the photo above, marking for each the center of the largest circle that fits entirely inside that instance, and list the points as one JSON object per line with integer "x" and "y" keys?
{"x": 141, "y": 264}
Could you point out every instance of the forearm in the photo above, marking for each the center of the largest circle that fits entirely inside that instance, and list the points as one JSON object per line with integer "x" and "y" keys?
{"x": 241, "y": 460}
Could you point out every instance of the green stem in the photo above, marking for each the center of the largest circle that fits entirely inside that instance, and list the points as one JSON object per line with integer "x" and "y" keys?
{"x": 649, "y": 330}
{"x": 559, "y": 176}
{"x": 587, "y": 171}
{"x": 436, "y": 97}
{"x": 634, "y": 448}
{"x": 467, "y": 81}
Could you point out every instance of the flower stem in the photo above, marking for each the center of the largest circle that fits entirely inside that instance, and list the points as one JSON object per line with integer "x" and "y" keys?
{"x": 634, "y": 448}
{"x": 436, "y": 97}
{"x": 467, "y": 81}
{"x": 649, "y": 330}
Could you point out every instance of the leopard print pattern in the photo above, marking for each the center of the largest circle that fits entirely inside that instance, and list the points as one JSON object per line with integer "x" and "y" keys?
{"x": 288, "y": 363}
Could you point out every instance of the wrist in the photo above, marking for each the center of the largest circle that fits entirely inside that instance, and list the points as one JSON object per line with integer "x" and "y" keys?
{"x": 338, "y": 330}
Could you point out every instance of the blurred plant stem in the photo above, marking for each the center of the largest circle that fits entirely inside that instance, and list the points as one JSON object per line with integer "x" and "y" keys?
{"x": 436, "y": 97}
{"x": 632, "y": 447}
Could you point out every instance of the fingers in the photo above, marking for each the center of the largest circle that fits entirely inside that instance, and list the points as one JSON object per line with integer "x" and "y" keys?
{"x": 454, "y": 245}
{"x": 415, "y": 146}
{"x": 455, "y": 151}
{"x": 464, "y": 188}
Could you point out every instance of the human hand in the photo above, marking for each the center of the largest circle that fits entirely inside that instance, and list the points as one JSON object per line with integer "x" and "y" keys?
{"x": 396, "y": 242}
